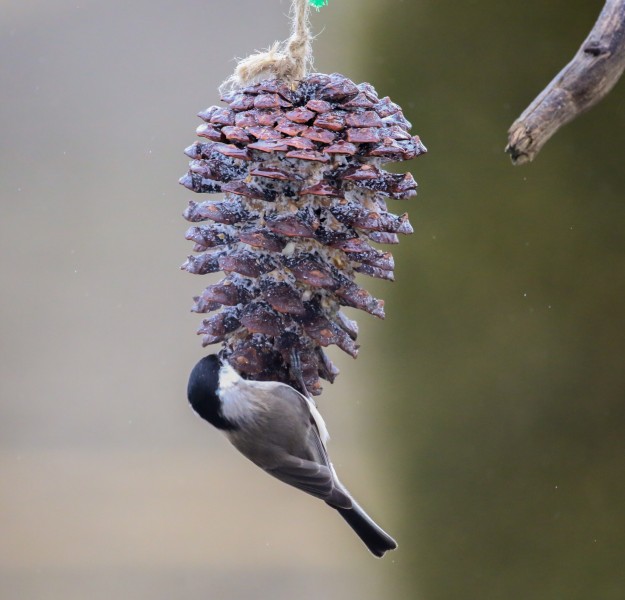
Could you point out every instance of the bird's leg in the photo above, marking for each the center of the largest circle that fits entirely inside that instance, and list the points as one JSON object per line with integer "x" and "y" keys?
{"x": 296, "y": 372}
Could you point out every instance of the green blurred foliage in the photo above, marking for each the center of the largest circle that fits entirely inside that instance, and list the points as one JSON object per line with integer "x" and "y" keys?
{"x": 503, "y": 351}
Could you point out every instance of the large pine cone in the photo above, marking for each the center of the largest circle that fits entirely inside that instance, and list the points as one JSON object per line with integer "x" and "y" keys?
{"x": 304, "y": 192}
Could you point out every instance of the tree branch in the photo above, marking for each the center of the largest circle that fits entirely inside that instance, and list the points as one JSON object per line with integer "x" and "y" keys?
{"x": 591, "y": 74}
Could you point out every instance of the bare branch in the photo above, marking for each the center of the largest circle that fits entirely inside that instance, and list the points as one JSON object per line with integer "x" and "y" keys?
{"x": 591, "y": 74}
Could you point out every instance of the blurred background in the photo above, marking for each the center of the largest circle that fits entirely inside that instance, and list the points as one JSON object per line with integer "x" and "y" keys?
{"x": 484, "y": 421}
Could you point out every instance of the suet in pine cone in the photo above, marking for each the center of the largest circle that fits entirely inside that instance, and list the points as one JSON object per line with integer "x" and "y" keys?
{"x": 304, "y": 195}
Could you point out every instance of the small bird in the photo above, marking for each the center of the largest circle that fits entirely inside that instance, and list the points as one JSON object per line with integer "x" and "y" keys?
{"x": 282, "y": 432}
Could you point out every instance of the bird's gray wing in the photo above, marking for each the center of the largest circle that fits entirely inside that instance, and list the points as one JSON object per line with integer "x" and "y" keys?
{"x": 311, "y": 471}
{"x": 313, "y": 478}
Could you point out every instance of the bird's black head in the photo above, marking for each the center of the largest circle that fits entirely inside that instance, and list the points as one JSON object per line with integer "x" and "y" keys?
{"x": 202, "y": 392}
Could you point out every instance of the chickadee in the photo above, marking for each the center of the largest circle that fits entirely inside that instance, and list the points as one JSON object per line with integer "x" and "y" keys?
{"x": 282, "y": 432}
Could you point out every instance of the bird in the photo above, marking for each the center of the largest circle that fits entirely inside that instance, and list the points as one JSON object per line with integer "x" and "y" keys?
{"x": 281, "y": 431}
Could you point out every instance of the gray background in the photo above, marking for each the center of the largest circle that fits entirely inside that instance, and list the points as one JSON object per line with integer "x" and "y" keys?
{"x": 111, "y": 486}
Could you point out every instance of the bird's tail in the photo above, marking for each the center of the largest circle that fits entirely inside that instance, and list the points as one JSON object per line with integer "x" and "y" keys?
{"x": 374, "y": 537}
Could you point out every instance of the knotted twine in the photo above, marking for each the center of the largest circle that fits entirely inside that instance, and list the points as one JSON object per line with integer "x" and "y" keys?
{"x": 288, "y": 61}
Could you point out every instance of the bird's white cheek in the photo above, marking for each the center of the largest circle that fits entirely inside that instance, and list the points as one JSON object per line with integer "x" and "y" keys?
{"x": 237, "y": 406}
{"x": 228, "y": 377}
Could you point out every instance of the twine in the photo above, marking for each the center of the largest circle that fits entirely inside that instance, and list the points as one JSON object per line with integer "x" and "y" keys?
{"x": 288, "y": 61}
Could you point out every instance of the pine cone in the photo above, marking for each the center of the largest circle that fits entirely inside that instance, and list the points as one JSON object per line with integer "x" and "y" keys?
{"x": 304, "y": 194}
